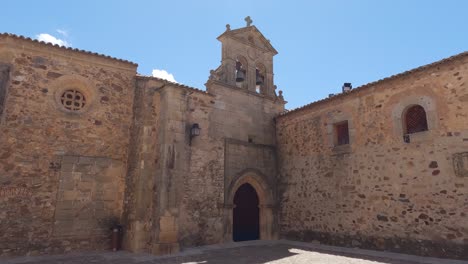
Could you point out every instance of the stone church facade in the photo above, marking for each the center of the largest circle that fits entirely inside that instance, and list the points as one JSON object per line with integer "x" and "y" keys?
{"x": 87, "y": 143}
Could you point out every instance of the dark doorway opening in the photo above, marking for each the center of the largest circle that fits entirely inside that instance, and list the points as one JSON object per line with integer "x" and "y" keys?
{"x": 246, "y": 215}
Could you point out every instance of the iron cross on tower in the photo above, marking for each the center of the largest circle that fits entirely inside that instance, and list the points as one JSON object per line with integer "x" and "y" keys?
{"x": 248, "y": 20}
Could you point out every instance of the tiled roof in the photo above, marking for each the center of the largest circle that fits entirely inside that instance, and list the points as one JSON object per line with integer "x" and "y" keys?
{"x": 372, "y": 84}
{"x": 64, "y": 48}
{"x": 173, "y": 83}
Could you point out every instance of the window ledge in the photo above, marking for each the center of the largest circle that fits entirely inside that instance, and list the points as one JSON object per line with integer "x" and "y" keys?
{"x": 419, "y": 137}
{"x": 342, "y": 149}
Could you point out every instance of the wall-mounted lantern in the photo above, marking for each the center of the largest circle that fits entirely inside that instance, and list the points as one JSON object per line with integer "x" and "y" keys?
{"x": 194, "y": 131}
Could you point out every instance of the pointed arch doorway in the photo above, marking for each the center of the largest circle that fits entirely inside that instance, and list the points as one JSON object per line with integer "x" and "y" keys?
{"x": 246, "y": 214}
{"x": 263, "y": 200}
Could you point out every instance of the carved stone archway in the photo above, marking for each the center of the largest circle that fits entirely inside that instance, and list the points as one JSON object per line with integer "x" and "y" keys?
{"x": 266, "y": 203}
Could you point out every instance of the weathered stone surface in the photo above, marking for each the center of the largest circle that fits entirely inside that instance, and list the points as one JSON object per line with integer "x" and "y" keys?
{"x": 192, "y": 181}
{"x": 48, "y": 204}
{"x": 407, "y": 197}
{"x": 460, "y": 163}
{"x": 87, "y": 143}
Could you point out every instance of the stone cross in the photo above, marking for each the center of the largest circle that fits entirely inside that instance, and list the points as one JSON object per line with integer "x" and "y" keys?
{"x": 248, "y": 20}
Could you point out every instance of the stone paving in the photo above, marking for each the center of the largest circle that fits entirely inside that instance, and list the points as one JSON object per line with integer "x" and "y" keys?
{"x": 274, "y": 252}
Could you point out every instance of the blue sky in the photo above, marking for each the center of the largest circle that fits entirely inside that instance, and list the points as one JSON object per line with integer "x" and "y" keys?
{"x": 321, "y": 44}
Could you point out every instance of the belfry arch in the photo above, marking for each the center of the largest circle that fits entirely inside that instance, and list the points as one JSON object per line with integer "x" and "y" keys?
{"x": 266, "y": 204}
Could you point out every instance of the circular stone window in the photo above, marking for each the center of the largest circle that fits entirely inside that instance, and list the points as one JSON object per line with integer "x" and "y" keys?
{"x": 73, "y": 100}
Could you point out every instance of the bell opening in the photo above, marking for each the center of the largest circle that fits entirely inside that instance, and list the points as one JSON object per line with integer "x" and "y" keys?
{"x": 258, "y": 81}
{"x": 240, "y": 72}
{"x": 240, "y": 75}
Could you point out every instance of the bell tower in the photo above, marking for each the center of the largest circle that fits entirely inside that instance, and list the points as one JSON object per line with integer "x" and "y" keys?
{"x": 246, "y": 61}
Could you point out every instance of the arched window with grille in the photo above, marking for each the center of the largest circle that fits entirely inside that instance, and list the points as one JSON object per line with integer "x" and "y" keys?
{"x": 415, "y": 120}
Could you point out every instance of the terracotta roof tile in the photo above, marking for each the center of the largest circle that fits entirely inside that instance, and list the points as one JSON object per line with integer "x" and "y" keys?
{"x": 65, "y": 48}
{"x": 372, "y": 84}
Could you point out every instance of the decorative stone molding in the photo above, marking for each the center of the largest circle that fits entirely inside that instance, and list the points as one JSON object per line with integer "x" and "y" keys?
{"x": 429, "y": 105}
{"x": 75, "y": 86}
{"x": 266, "y": 203}
{"x": 336, "y": 117}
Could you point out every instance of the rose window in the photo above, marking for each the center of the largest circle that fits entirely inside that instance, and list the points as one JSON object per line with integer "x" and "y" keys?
{"x": 73, "y": 100}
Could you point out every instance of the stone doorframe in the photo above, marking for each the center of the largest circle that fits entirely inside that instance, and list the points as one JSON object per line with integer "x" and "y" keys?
{"x": 266, "y": 204}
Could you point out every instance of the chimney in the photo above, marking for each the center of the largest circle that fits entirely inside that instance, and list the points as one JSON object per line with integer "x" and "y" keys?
{"x": 347, "y": 87}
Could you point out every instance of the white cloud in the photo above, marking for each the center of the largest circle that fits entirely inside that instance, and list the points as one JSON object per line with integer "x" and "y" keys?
{"x": 163, "y": 75}
{"x": 51, "y": 39}
{"x": 62, "y": 32}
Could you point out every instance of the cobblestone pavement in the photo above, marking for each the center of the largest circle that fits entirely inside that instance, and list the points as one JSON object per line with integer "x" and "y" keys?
{"x": 274, "y": 252}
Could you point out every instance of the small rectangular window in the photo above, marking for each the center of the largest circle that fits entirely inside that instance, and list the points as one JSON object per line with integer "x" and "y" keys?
{"x": 341, "y": 133}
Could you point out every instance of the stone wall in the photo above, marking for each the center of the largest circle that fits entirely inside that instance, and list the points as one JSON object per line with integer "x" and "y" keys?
{"x": 70, "y": 168}
{"x": 153, "y": 182}
{"x": 241, "y": 155}
{"x": 143, "y": 165}
{"x": 160, "y": 172}
{"x": 87, "y": 143}
{"x": 89, "y": 197}
{"x": 61, "y": 172}
{"x": 203, "y": 187}
{"x": 177, "y": 186}
{"x": 237, "y": 136}
{"x": 378, "y": 191}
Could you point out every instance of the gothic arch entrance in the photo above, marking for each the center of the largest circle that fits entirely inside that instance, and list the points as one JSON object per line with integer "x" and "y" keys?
{"x": 246, "y": 214}
{"x": 254, "y": 187}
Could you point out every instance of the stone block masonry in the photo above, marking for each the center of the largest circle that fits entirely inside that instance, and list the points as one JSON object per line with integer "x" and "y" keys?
{"x": 89, "y": 197}
{"x": 379, "y": 191}
{"x": 62, "y": 166}
{"x": 86, "y": 143}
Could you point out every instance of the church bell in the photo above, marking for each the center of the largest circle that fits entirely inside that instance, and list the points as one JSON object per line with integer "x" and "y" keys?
{"x": 240, "y": 76}
{"x": 240, "y": 73}
{"x": 259, "y": 78}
